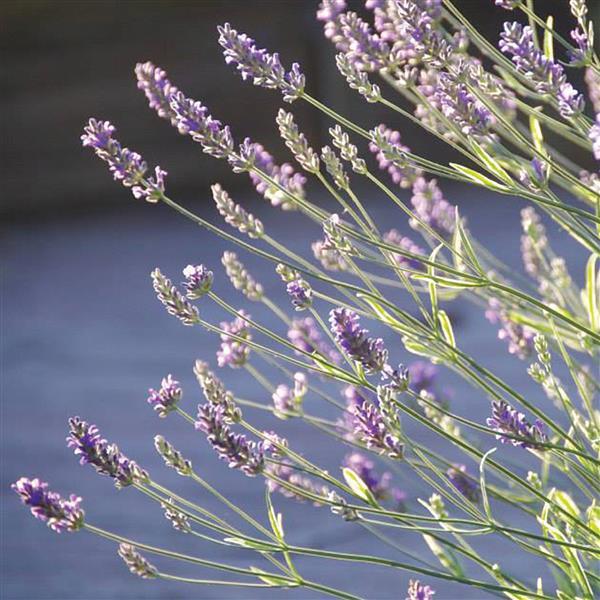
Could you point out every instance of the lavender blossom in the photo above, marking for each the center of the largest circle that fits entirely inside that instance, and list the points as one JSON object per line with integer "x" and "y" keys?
{"x": 418, "y": 591}
{"x": 179, "y": 521}
{"x": 136, "y": 563}
{"x": 518, "y": 337}
{"x": 215, "y": 392}
{"x": 432, "y": 208}
{"x": 127, "y": 166}
{"x": 297, "y": 142}
{"x": 394, "y": 237}
{"x": 59, "y": 514}
{"x": 508, "y": 4}
{"x": 235, "y": 215}
{"x": 507, "y": 420}
{"x": 363, "y": 48}
{"x": 595, "y": 137}
{"x": 365, "y": 469}
{"x": 166, "y": 399}
{"x": 461, "y": 107}
{"x": 283, "y": 176}
{"x": 173, "y": 300}
{"x": 198, "y": 281}
{"x": 300, "y": 293}
{"x": 248, "y": 456}
{"x": 357, "y": 80}
{"x": 353, "y": 397}
{"x": 390, "y": 154}
{"x": 335, "y": 168}
{"x": 233, "y": 352}
{"x": 330, "y": 258}
{"x": 370, "y": 428}
{"x": 264, "y": 69}
{"x": 152, "y": 80}
{"x": 192, "y": 119}
{"x": 369, "y": 352}
{"x": 288, "y": 402}
{"x": 172, "y": 457}
{"x": 106, "y": 458}
{"x": 463, "y": 483}
{"x": 547, "y": 76}
{"x": 305, "y": 335}
{"x": 240, "y": 278}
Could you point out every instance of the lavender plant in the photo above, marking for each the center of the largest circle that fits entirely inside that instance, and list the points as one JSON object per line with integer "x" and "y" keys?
{"x": 496, "y": 104}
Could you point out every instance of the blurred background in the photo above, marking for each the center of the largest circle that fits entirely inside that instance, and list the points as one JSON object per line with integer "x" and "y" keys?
{"x": 82, "y": 331}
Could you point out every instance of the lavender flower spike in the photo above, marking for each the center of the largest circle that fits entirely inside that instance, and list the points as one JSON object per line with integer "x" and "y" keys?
{"x": 198, "y": 281}
{"x": 263, "y": 68}
{"x": 248, "y": 456}
{"x": 125, "y": 165}
{"x": 59, "y": 514}
{"x": 152, "y": 80}
{"x": 547, "y": 76}
{"x": 369, "y": 352}
{"x": 306, "y": 337}
{"x": 137, "y": 564}
{"x": 165, "y": 400}
{"x": 233, "y": 352}
{"x": 371, "y": 429}
{"x": 418, "y": 591}
{"x": 300, "y": 293}
{"x": 173, "y": 300}
{"x": 507, "y": 420}
{"x": 106, "y": 458}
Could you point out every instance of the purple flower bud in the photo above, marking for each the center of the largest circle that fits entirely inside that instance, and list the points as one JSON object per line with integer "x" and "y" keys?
{"x": 106, "y": 458}
{"x": 288, "y": 402}
{"x": 418, "y": 591}
{"x": 264, "y": 69}
{"x": 466, "y": 485}
{"x": 165, "y": 400}
{"x": 126, "y": 166}
{"x": 394, "y": 237}
{"x": 371, "y": 429}
{"x": 305, "y": 335}
{"x": 233, "y": 352}
{"x": 59, "y": 514}
{"x": 198, "y": 281}
{"x": 507, "y": 420}
{"x": 369, "y": 352}
{"x": 248, "y": 456}
{"x": 300, "y": 293}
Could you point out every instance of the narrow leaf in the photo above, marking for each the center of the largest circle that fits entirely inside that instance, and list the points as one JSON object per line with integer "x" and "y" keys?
{"x": 358, "y": 486}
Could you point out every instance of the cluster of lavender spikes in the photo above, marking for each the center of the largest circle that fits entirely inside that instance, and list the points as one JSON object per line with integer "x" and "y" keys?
{"x": 513, "y": 428}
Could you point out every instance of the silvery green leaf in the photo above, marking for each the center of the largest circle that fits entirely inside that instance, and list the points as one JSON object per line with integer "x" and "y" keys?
{"x": 479, "y": 179}
{"x": 358, "y": 486}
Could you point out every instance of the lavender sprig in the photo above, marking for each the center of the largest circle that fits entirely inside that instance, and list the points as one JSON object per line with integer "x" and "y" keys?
{"x": 152, "y": 80}
{"x": 300, "y": 293}
{"x": 248, "y": 456}
{"x": 306, "y": 336}
{"x": 166, "y": 399}
{"x": 264, "y": 69}
{"x": 215, "y": 391}
{"x": 240, "y": 278}
{"x": 547, "y": 76}
{"x": 107, "y": 459}
{"x": 172, "y": 457}
{"x": 136, "y": 563}
{"x": 371, "y": 429}
{"x": 234, "y": 353}
{"x": 47, "y": 506}
{"x": 173, "y": 300}
{"x": 355, "y": 341}
{"x": 418, "y": 591}
{"x": 198, "y": 281}
{"x": 235, "y": 215}
{"x": 507, "y": 420}
{"x": 127, "y": 166}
